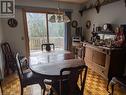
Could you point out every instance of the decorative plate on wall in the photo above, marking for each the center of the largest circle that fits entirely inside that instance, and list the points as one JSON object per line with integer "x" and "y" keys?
{"x": 12, "y": 22}
{"x": 74, "y": 24}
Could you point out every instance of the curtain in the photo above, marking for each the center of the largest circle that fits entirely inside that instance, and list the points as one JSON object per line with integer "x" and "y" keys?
{"x": 68, "y": 37}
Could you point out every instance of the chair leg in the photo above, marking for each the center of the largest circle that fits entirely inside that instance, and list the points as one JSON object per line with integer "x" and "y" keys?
{"x": 81, "y": 78}
{"x": 21, "y": 90}
{"x": 51, "y": 91}
{"x": 112, "y": 87}
{"x": 44, "y": 91}
{"x": 109, "y": 80}
{"x": 42, "y": 87}
{"x": 112, "y": 84}
{"x": 1, "y": 88}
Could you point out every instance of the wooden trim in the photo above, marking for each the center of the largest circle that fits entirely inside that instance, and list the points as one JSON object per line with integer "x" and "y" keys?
{"x": 47, "y": 28}
{"x": 26, "y": 37}
{"x": 42, "y": 10}
{"x": 49, "y": 10}
{"x": 35, "y": 10}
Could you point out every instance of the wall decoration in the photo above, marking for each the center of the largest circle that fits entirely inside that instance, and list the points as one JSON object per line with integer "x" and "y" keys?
{"x": 88, "y": 24}
{"x": 74, "y": 24}
{"x": 12, "y": 22}
{"x": 96, "y": 5}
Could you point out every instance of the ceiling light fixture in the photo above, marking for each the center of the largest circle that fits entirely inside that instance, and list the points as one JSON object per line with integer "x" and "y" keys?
{"x": 59, "y": 17}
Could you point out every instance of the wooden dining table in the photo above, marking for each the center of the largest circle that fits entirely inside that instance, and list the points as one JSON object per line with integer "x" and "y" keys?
{"x": 49, "y": 64}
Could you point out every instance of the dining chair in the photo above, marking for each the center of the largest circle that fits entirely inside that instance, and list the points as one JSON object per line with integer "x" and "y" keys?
{"x": 29, "y": 77}
{"x": 117, "y": 80}
{"x": 70, "y": 84}
{"x": 48, "y": 46}
{"x": 9, "y": 58}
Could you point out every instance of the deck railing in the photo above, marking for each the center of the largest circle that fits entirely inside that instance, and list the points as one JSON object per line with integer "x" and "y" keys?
{"x": 36, "y": 42}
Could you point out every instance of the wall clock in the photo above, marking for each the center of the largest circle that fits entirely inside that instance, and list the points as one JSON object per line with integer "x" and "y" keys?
{"x": 74, "y": 24}
{"x": 12, "y": 22}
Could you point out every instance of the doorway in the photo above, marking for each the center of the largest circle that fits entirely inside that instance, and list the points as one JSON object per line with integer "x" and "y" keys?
{"x": 40, "y": 31}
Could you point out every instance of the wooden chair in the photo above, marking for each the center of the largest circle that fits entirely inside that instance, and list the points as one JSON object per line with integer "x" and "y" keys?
{"x": 9, "y": 58}
{"x": 28, "y": 78}
{"x": 68, "y": 85}
{"x": 117, "y": 80}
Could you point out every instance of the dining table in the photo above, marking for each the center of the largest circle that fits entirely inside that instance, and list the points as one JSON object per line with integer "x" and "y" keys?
{"x": 49, "y": 64}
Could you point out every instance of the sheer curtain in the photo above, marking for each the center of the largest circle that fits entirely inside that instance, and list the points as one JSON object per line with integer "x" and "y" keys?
{"x": 68, "y": 37}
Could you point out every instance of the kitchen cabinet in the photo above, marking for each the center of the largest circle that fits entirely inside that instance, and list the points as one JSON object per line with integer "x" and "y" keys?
{"x": 107, "y": 62}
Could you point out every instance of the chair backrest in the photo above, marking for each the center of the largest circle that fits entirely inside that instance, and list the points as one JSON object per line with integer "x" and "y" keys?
{"x": 6, "y": 49}
{"x": 18, "y": 65}
{"x": 9, "y": 58}
{"x": 48, "y": 46}
{"x": 75, "y": 74}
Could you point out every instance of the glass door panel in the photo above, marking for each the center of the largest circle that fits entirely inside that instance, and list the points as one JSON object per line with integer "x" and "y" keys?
{"x": 56, "y": 33}
{"x": 37, "y": 30}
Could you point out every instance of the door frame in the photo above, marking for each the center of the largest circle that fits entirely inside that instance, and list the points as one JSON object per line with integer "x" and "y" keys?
{"x": 26, "y": 37}
{"x": 34, "y": 10}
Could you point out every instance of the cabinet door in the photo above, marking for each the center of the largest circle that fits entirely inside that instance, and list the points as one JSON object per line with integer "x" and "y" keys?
{"x": 88, "y": 53}
{"x": 99, "y": 58}
{"x": 88, "y": 57}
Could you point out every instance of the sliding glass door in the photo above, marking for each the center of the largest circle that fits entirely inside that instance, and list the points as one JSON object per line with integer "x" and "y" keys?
{"x": 56, "y": 33}
{"x": 37, "y": 30}
{"x": 40, "y": 31}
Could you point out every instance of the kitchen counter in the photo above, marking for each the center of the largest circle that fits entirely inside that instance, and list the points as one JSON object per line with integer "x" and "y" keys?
{"x": 108, "y": 62}
{"x": 87, "y": 44}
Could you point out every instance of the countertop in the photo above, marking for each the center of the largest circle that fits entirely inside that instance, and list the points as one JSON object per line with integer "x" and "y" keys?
{"x": 87, "y": 44}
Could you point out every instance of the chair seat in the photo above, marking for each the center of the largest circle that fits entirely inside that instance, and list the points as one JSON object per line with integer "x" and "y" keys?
{"x": 28, "y": 77}
{"x": 31, "y": 78}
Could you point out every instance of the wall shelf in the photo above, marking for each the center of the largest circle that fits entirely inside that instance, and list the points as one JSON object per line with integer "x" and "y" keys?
{"x": 105, "y": 2}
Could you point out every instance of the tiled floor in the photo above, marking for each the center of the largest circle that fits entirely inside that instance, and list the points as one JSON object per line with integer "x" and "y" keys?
{"x": 95, "y": 85}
